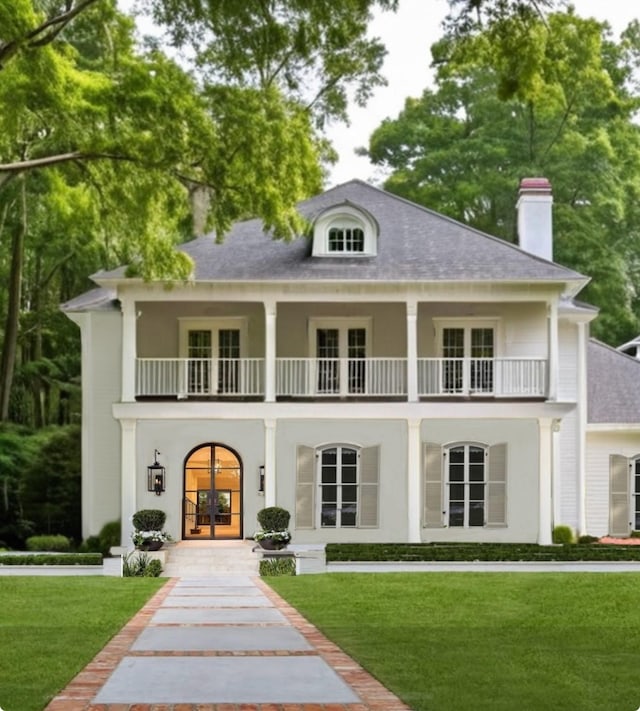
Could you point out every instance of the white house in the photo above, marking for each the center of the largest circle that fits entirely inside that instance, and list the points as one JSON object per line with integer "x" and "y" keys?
{"x": 393, "y": 375}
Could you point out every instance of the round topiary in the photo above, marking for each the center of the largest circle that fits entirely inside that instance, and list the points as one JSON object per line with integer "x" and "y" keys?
{"x": 273, "y": 518}
{"x": 563, "y": 535}
{"x": 149, "y": 520}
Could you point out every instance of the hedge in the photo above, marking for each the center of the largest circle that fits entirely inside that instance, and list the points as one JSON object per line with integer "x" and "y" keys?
{"x": 457, "y": 552}
{"x": 51, "y": 559}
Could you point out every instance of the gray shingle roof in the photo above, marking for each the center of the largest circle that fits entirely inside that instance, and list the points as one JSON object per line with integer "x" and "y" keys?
{"x": 613, "y": 381}
{"x": 99, "y": 299}
{"x": 414, "y": 244}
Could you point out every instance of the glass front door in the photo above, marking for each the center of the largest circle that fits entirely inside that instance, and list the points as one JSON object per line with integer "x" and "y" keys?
{"x": 212, "y": 505}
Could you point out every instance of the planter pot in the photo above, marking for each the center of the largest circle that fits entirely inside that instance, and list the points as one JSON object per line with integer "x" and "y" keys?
{"x": 270, "y": 545}
{"x": 150, "y": 546}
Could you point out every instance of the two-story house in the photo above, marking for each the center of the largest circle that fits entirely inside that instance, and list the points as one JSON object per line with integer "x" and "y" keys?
{"x": 393, "y": 375}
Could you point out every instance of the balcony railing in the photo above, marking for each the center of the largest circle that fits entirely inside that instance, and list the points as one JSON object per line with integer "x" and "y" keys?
{"x": 341, "y": 377}
{"x": 185, "y": 377}
{"x": 491, "y": 377}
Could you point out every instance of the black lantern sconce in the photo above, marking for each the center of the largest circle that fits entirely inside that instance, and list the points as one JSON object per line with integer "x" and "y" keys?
{"x": 155, "y": 475}
{"x": 261, "y": 479}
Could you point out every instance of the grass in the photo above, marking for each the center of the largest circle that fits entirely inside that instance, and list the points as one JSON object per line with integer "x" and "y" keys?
{"x": 484, "y": 641}
{"x": 51, "y": 627}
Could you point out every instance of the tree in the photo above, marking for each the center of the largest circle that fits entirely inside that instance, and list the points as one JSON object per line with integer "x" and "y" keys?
{"x": 463, "y": 147}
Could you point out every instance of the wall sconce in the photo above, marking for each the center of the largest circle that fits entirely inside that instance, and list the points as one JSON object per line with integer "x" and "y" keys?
{"x": 155, "y": 475}
{"x": 261, "y": 479}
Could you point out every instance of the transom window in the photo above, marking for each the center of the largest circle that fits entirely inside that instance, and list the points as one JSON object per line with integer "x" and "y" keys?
{"x": 466, "y": 482}
{"x": 346, "y": 239}
{"x": 338, "y": 487}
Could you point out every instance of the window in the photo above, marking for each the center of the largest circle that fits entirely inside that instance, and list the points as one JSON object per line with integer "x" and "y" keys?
{"x": 465, "y": 485}
{"x": 346, "y": 239}
{"x": 467, "y": 357}
{"x": 345, "y": 231}
{"x": 624, "y": 494}
{"x": 465, "y": 471}
{"x": 213, "y": 351}
{"x": 337, "y": 487}
{"x": 340, "y": 349}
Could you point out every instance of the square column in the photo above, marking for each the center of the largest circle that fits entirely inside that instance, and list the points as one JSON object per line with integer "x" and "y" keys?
{"x": 127, "y": 479}
{"x": 270, "y": 352}
{"x": 128, "y": 350}
{"x": 412, "y": 351}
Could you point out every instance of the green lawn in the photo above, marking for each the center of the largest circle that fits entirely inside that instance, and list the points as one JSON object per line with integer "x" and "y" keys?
{"x": 485, "y": 641}
{"x": 51, "y": 627}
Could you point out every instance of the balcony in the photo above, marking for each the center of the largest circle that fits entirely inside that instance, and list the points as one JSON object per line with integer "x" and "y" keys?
{"x": 355, "y": 378}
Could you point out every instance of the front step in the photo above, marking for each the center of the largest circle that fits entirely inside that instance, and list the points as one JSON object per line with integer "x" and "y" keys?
{"x": 203, "y": 558}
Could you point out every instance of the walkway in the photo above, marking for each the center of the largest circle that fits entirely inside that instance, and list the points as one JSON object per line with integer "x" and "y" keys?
{"x": 222, "y": 643}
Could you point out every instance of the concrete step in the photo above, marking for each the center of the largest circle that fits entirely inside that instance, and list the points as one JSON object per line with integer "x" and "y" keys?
{"x": 195, "y": 558}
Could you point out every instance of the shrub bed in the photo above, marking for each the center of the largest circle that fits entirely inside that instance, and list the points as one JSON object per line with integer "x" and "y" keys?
{"x": 457, "y": 552}
{"x": 51, "y": 559}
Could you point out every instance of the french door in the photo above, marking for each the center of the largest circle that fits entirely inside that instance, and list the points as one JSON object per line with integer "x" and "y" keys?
{"x": 468, "y": 359}
{"x": 340, "y": 360}
{"x": 212, "y": 505}
{"x": 213, "y": 361}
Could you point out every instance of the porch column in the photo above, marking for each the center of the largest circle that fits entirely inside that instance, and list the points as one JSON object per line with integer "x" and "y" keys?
{"x": 583, "y": 337}
{"x": 128, "y": 308}
{"x": 545, "y": 455}
{"x": 553, "y": 366}
{"x": 270, "y": 351}
{"x": 127, "y": 478}
{"x": 270, "y": 463}
{"x": 412, "y": 351}
{"x": 413, "y": 481}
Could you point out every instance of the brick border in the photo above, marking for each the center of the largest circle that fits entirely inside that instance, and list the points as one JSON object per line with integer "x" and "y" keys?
{"x": 80, "y": 692}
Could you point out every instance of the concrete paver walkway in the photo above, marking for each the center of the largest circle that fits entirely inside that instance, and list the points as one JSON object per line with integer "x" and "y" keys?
{"x": 224, "y": 643}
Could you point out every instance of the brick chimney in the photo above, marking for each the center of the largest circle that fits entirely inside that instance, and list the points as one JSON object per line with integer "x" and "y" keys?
{"x": 535, "y": 230}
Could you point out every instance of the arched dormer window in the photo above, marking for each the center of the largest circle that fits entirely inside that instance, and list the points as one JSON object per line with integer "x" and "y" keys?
{"x": 345, "y": 230}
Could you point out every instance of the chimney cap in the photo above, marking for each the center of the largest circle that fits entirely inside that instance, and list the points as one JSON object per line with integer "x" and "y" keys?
{"x": 538, "y": 185}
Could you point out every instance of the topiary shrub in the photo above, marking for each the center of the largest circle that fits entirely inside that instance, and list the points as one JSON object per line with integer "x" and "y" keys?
{"x": 149, "y": 520}
{"x": 563, "y": 535}
{"x": 110, "y": 535}
{"x": 274, "y": 518}
{"x": 58, "y": 544}
{"x": 91, "y": 544}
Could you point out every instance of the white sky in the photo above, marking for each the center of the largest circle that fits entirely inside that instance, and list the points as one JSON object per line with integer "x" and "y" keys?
{"x": 408, "y": 35}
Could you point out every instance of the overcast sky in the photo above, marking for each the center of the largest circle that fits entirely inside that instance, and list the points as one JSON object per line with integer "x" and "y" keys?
{"x": 408, "y": 35}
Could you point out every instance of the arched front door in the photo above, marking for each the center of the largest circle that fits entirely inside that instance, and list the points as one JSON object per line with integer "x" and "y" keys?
{"x": 212, "y": 506}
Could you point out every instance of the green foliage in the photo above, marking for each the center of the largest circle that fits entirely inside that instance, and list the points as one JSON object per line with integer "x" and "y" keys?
{"x": 533, "y": 98}
{"x": 587, "y": 540}
{"x": 149, "y": 520}
{"x": 563, "y": 534}
{"x": 635, "y": 534}
{"x": 445, "y": 552}
{"x": 274, "y": 518}
{"x": 51, "y": 494}
{"x": 139, "y": 564}
{"x": 110, "y": 535}
{"x": 277, "y": 566}
{"x": 51, "y": 559}
{"x": 58, "y": 543}
{"x": 57, "y": 624}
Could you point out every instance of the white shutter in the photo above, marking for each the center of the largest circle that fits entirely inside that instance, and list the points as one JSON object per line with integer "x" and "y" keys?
{"x": 433, "y": 511}
{"x": 619, "y": 506}
{"x": 496, "y": 511}
{"x": 369, "y": 486}
{"x": 305, "y": 477}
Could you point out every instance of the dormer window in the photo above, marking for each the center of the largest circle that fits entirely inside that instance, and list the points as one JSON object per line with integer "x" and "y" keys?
{"x": 345, "y": 231}
{"x": 346, "y": 239}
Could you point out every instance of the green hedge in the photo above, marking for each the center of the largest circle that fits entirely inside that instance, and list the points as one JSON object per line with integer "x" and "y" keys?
{"x": 51, "y": 559}
{"x": 456, "y": 552}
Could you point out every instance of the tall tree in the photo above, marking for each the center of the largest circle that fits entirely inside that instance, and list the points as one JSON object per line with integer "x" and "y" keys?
{"x": 463, "y": 146}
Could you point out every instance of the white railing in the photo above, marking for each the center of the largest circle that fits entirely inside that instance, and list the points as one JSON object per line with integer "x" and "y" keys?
{"x": 494, "y": 377}
{"x": 184, "y": 377}
{"x": 342, "y": 377}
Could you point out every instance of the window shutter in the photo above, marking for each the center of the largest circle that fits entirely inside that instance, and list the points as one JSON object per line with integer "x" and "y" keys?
{"x": 369, "y": 485}
{"x": 433, "y": 513}
{"x": 619, "y": 495}
{"x": 305, "y": 477}
{"x": 496, "y": 511}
